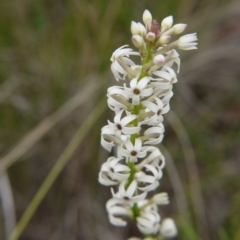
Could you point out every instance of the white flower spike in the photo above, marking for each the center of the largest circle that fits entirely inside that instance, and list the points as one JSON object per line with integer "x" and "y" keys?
{"x": 139, "y": 106}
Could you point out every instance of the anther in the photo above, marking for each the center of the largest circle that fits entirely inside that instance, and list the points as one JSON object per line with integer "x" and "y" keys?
{"x": 136, "y": 91}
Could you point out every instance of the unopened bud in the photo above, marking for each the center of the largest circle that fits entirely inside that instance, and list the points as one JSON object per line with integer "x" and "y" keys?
{"x": 142, "y": 29}
{"x": 164, "y": 40}
{"x": 167, "y": 23}
{"x": 179, "y": 28}
{"x": 135, "y": 29}
{"x": 159, "y": 59}
{"x": 160, "y": 199}
{"x": 147, "y": 17}
{"x": 137, "y": 41}
{"x": 168, "y": 228}
{"x": 150, "y": 37}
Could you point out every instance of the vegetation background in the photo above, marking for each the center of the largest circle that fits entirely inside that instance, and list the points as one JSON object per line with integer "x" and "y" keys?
{"x": 55, "y": 68}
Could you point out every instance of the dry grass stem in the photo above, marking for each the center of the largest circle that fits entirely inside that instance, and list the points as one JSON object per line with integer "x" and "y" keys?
{"x": 44, "y": 127}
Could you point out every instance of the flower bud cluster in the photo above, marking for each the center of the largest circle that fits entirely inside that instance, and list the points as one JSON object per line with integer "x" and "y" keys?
{"x": 139, "y": 106}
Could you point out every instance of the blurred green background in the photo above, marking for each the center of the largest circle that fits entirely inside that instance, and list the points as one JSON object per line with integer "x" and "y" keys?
{"x": 52, "y": 51}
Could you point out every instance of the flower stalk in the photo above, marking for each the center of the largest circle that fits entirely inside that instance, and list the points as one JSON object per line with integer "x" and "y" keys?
{"x": 139, "y": 106}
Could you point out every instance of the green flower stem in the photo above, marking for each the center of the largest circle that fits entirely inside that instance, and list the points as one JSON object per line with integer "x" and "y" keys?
{"x": 146, "y": 60}
{"x": 136, "y": 110}
{"x": 57, "y": 168}
{"x": 149, "y": 55}
{"x": 131, "y": 165}
{"x": 136, "y": 211}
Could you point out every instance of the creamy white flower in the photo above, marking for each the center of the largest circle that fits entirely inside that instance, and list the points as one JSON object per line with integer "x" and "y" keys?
{"x": 117, "y": 103}
{"x": 188, "y": 42}
{"x": 113, "y": 171}
{"x": 138, "y": 90}
{"x": 157, "y": 108}
{"x": 164, "y": 94}
{"x": 148, "y": 222}
{"x": 155, "y": 158}
{"x": 165, "y": 78}
{"x": 168, "y": 228}
{"x": 104, "y": 178}
{"x": 108, "y": 138}
{"x": 122, "y": 52}
{"x": 138, "y": 167}
{"x": 107, "y": 144}
{"x": 133, "y": 152}
{"x": 117, "y": 99}
{"x": 148, "y": 178}
{"x": 171, "y": 58}
{"x": 117, "y": 90}
{"x": 121, "y": 125}
{"x": 121, "y": 62}
{"x": 129, "y": 194}
{"x": 118, "y": 211}
{"x": 153, "y": 135}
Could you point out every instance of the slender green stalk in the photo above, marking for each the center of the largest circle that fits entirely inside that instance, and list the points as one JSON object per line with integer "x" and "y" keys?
{"x": 57, "y": 168}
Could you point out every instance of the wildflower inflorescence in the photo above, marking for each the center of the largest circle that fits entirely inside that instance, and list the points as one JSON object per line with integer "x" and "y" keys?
{"x": 139, "y": 106}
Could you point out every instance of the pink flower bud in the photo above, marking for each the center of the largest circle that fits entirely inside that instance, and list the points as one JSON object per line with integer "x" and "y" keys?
{"x": 159, "y": 59}
{"x": 150, "y": 37}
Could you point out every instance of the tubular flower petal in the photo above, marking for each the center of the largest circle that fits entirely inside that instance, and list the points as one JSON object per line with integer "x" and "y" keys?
{"x": 188, "y": 42}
